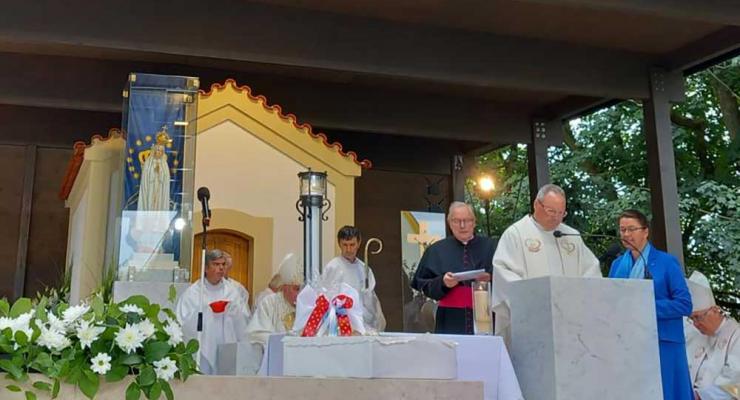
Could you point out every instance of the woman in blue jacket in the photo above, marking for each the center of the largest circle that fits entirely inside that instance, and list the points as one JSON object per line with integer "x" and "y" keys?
{"x": 672, "y": 299}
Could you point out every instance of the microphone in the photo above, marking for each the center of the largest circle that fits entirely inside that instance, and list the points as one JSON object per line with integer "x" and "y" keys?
{"x": 204, "y": 195}
{"x": 648, "y": 275}
{"x": 559, "y": 234}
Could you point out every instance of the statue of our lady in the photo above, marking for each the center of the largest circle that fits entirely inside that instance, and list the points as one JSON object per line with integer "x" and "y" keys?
{"x": 154, "y": 189}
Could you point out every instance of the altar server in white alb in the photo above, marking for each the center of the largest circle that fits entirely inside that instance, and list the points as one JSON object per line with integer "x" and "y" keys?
{"x": 276, "y": 312}
{"x": 224, "y": 312}
{"x": 347, "y": 268}
{"x": 538, "y": 245}
{"x": 712, "y": 345}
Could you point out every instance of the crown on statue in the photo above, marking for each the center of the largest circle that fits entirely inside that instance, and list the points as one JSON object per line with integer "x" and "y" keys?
{"x": 162, "y": 137}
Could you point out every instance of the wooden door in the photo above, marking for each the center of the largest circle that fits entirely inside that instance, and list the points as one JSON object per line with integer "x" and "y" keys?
{"x": 233, "y": 243}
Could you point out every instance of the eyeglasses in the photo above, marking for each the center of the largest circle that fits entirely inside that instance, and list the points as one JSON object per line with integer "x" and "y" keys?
{"x": 462, "y": 222}
{"x": 700, "y": 317}
{"x": 631, "y": 229}
{"x": 552, "y": 212}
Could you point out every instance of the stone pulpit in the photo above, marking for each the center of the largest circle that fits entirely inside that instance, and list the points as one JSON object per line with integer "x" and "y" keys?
{"x": 585, "y": 338}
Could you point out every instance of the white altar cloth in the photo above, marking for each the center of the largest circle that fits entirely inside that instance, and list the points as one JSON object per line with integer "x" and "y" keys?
{"x": 479, "y": 358}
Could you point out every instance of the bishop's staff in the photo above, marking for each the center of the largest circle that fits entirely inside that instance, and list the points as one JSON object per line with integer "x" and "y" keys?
{"x": 367, "y": 261}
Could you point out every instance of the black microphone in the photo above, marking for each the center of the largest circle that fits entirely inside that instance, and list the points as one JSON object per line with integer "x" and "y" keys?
{"x": 648, "y": 275}
{"x": 204, "y": 195}
{"x": 559, "y": 234}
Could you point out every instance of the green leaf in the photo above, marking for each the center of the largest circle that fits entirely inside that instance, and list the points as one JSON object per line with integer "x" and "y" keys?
{"x": 13, "y": 388}
{"x": 172, "y": 294}
{"x": 167, "y": 389}
{"x": 155, "y": 351}
{"x": 155, "y": 391}
{"x": 147, "y": 376}
{"x": 133, "y": 391}
{"x": 41, "y": 385}
{"x": 170, "y": 314}
{"x": 89, "y": 384}
{"x": 116, "y": 373}
{"x": 153, "y": 313}
{"x": 137, "y": 300}
{"x": 44, "y": 360}
{"x": 55, "y": 389}
{"x": 21, "y": 338}
{"x": 98, "y": 307}
{"x": 193, "y": 346}
{"x": 14, "y": 370}
{"x": 21, "y": 306}
{"x": 131, "y": 359}
{"x": 4, "y": 307}
{"x": 30, "y": 395}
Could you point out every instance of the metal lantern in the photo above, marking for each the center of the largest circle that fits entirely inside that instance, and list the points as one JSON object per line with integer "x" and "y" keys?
{"x": 312, "y": 205}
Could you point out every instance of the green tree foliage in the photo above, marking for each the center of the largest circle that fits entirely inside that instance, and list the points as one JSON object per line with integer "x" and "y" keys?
{"x": 603, "y": 168}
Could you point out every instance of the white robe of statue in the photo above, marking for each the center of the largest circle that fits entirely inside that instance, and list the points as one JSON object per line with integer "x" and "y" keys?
{"x": 714, "y": 361}
{"x": 218, "y": 328}
{"x": 339, "y": 270}
{"x": 273, "y": 315}
{"x": 526, "y": 251}
{"x": 154, "y": 187}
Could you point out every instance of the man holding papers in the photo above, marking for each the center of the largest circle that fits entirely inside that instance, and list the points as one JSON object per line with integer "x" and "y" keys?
{"x": 438, "y": 273}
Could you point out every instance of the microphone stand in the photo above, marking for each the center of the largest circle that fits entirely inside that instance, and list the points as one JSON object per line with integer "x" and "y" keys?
{"x": 206, "y": 220}
{"x": 647, "y": 274}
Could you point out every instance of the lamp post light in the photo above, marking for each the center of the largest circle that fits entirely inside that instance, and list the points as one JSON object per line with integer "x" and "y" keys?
{"x": 485, "y": 187}
{"x": 310, "y": 204}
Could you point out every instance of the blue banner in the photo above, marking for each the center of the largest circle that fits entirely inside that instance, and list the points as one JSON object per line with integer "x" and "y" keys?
{"x": 150, "y": 128}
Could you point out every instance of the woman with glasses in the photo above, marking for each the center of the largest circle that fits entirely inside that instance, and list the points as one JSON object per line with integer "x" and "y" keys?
{"x": 672, "y": 298}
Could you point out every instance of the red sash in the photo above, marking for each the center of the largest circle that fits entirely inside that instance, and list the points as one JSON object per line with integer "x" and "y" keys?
{"x": 459, "y": 297}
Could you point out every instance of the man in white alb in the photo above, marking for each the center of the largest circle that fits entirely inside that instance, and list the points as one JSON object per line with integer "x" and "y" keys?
{"x": 538, "y": 245}
{"x": 224, "y": 313}
{"x": 347, "y": 268}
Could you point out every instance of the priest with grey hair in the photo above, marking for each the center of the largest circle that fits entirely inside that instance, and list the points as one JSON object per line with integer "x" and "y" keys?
{"x": 224, "y": 312}
{"x": 537, "y": 245}
{"x": 712, "y": 345}
{"x": 463, "y": 251}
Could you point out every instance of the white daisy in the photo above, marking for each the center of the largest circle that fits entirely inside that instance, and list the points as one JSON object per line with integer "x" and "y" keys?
{"x": 55, "y": 323}
{"x": 175, "y": 332}
{"x": 146, "y": 328}
{"x": 100, "y": 364}
{"x": 72, "y": 314}
{"x": 130, "y": 308}
{"x": 53, "y": 339}
{"x": 129, "y": 338}
{"x": 88, "y": 333}
{"x": 165, "y": 368}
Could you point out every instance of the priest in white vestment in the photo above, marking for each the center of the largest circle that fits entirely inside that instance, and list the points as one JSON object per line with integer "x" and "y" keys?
{"x": 243, "y": 292}
{"x": 276, "y": 313}
{"x": 712, "y": 345}
{"x": 224, "y": 313}
{"x": 538, "y": 245}
{"x": 347, "y": 268}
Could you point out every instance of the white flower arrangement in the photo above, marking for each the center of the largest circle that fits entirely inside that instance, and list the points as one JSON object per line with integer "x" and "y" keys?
{"x": 89, "y": 344}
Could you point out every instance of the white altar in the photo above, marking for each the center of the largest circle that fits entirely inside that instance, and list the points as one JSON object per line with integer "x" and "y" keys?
{"x": 479, "y": 358}
{"x": 585, "y": 338}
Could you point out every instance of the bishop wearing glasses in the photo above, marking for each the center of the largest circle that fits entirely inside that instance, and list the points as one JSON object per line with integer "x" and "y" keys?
{"x": 538, "y": 245}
